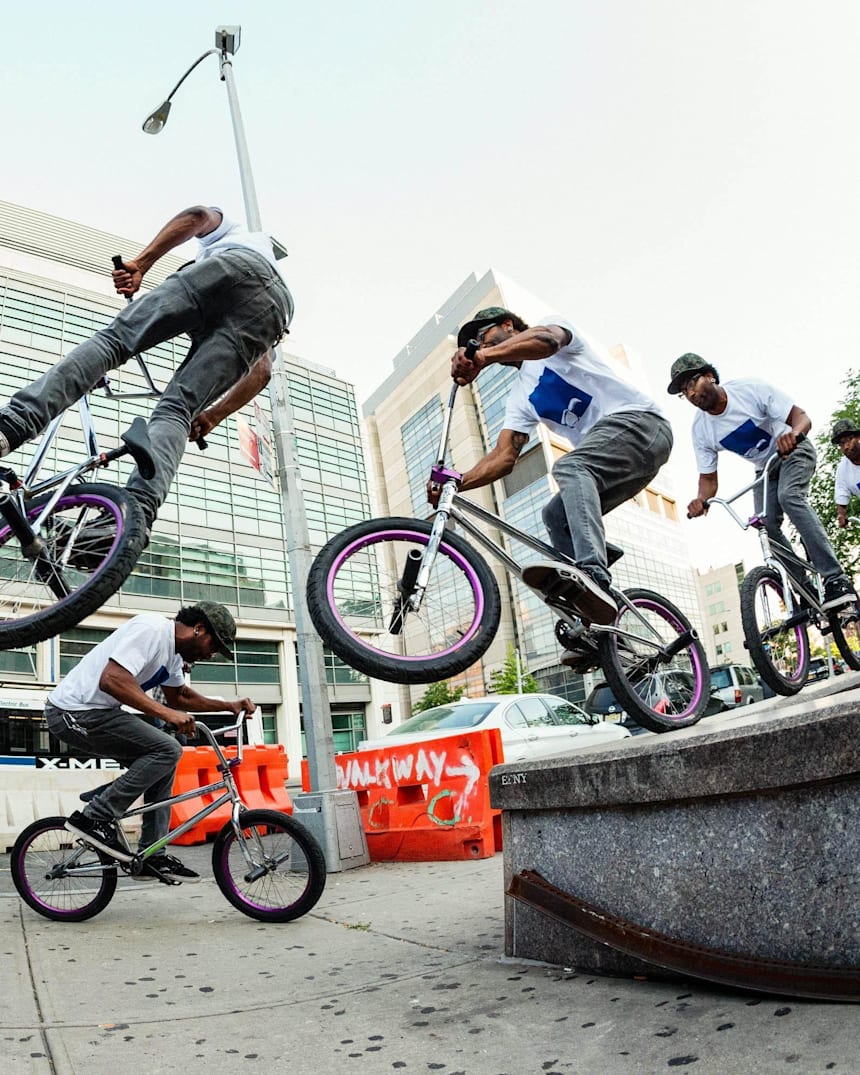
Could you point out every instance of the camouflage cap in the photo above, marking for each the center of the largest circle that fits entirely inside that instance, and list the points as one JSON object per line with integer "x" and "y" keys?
{"x": 220, "y": 624}
{"x": 491, "y": 315}
{"x": 842, "y": 428}
{"x": 682, "y": 370}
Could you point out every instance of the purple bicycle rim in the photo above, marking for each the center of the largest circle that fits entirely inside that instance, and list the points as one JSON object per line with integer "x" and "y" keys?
{"x": 74, "y": 500}
{"x": 48, "y": 906}
{"x": 241, "y": 894}
{"x": 799, "y": 635}
{"x": 666, "y": 615}
{"x": 418, "y": 539}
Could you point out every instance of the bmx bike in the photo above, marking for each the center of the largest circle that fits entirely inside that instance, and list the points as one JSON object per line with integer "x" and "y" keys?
{"x": 410, "y": 601}
{"x": 781, "y": 599}
{"x": 266, "y": 864}
{"x": 67, "y": 545}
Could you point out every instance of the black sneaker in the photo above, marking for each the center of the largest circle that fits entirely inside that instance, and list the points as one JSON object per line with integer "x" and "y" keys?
{"x": 166, "y": 868}
{"x": 101, "y": 834}
{"x": 555, "y": 579}
{"x": 838, "y": 591}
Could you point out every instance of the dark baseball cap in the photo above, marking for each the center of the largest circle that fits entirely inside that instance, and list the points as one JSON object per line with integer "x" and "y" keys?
{"x": 683, "y": 368}
{"x": 842, "y": 428}
{"x": 220, "y": 625}
{"x": 491, "y": 315}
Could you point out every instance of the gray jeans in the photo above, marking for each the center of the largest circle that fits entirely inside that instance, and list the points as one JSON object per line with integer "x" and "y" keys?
{"x": 615, "y": 460}
{"x": 787, "y": 494}
{"x": 233, "y": 306}
{"x": 149, "y": 755}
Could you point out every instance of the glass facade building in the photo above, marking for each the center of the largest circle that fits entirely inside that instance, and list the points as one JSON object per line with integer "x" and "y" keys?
{"x": 219, "y": 534}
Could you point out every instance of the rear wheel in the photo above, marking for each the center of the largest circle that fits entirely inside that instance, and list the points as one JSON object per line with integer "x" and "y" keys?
{"x": 777, "y": 642}
{"x": 91, "y": 538}
{"x": 59, "y": 876}
{"x": 274, "y": 872}
{"x": 655, "y": 663}
{"x": 845, "y": 625}
{"x": 355, "y": 600}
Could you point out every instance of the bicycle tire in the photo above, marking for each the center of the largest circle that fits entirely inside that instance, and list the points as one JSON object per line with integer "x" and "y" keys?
{"x": 779, "y": 653}
{"x": 845, "y": 625}
{"x": 265, "y": 897}
{"x": 29, "y": 610}
{"x": 42, "y": 847}
{"x": 352, "y": 595}
{"x": 659, "y": 693}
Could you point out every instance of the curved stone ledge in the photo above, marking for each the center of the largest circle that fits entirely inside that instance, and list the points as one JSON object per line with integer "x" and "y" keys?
{"x": 741, "y": 834}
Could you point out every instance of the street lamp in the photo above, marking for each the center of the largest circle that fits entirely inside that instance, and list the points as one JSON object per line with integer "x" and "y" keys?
{"x": 318, "y": 726}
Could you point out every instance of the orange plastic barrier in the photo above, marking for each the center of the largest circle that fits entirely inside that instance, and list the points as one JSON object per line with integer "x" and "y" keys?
{"x": 425, "y": 801}
{"x": 261, "y": 779}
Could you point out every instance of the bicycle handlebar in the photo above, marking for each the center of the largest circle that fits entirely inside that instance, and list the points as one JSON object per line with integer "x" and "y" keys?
{"x": 119, "y": 266}
{"x": 726, "y": 502}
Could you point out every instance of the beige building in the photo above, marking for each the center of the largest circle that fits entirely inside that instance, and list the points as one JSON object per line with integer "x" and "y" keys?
{"x": 720, "y": 601}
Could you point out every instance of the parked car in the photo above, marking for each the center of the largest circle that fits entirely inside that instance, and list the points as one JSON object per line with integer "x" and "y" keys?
{"x": 818, "y": 668}
{"x": 736, "y": 684}
{"x": 532, "y": 725}
{"x": 602, "y": 703}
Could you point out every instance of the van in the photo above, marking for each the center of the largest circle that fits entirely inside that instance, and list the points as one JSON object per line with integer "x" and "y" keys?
{"x": 736, "y": 685}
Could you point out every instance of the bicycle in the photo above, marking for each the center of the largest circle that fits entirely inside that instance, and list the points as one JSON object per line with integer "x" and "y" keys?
{"x": 266, "y": 864}
{"x": 781, "y": 599}
{"x": 409, "y": 601}
{"x": 66, "y": 545}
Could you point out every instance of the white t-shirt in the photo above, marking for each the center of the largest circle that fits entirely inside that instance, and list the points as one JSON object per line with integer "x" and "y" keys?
{"x": 229, "y": 235}
{"x": 571, "y": 390}
{"x": 754, "y": 417}
{"x": 145, "y": 646}
{"x": 847, "y": 482}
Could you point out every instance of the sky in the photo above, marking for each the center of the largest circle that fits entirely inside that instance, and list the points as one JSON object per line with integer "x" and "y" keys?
{"x": 673, "y": 175}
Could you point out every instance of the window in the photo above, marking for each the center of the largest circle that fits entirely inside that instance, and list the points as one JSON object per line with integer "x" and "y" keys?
{"x": 565, "y": 712}
{"x": 534, "y": 712}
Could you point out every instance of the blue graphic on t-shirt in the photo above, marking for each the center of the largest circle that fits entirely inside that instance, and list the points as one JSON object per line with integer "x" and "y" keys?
{"x": 161, "y": 676}
{"x": 559, "y": 401}
{"x": 746, "y": 439}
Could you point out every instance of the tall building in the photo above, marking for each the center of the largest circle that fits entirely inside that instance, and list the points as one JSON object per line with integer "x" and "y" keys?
{"x": 719, "y": 597}
{"x": 219, "y": 534}
{"x": 404, "y": 418}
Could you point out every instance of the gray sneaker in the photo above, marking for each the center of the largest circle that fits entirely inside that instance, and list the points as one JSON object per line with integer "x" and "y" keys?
{"x": 554, "y": 579}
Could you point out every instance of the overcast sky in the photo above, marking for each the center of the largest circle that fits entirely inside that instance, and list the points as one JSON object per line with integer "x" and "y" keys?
{"x": 673, "y": 175}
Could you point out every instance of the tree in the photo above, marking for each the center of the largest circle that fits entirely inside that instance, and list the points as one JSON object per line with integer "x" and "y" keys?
{"x": 437, "y": 694}
{"x": 505, "y": 680}
{"x": 846, "y": 542}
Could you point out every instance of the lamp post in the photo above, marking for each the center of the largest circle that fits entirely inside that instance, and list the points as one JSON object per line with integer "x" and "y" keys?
{"x": 318, "y": 727}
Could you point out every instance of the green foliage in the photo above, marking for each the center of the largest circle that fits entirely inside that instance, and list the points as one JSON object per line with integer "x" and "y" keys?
{"x": 437, "y": 694}
{"x": 505, "y": 680}
{"x": 846, "y": 542}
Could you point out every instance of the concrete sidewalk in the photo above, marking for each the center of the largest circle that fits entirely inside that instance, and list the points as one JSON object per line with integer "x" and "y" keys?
{"x": 398, "y": 968}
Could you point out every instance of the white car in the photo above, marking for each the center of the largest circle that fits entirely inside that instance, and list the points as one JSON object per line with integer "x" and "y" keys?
{"x": 532, "y": 725}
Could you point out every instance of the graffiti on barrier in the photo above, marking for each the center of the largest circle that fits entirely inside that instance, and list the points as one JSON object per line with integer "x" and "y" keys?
{"x": 429, "y": 767}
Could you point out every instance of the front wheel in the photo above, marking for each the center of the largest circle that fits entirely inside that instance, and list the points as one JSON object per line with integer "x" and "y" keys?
{"x": 845, "y": 625}
{"x": 654, "y": 662}
{"x": 274, "y": 870}
{"x": 355, "y": 601}
{"x": 91, "y": 540}
{"x": 59, "y": 876}
{"x": 777, "y": 641}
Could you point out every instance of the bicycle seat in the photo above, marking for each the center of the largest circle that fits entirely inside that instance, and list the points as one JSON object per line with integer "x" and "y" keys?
{"x": 136, "y": 439}
{"x": 613, "y": 553}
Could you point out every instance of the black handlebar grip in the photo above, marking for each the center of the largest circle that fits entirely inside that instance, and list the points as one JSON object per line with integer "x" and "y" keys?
{"x": 202, "y": 443}
{"x": 471, "y": 349}
{"x": 117, "y": 262}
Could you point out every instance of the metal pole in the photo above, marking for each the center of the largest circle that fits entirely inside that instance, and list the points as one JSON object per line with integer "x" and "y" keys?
{"x": 315, "y": 704}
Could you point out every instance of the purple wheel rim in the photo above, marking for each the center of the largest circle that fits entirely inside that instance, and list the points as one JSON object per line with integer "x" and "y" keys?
{"x": 418, "y": 539}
